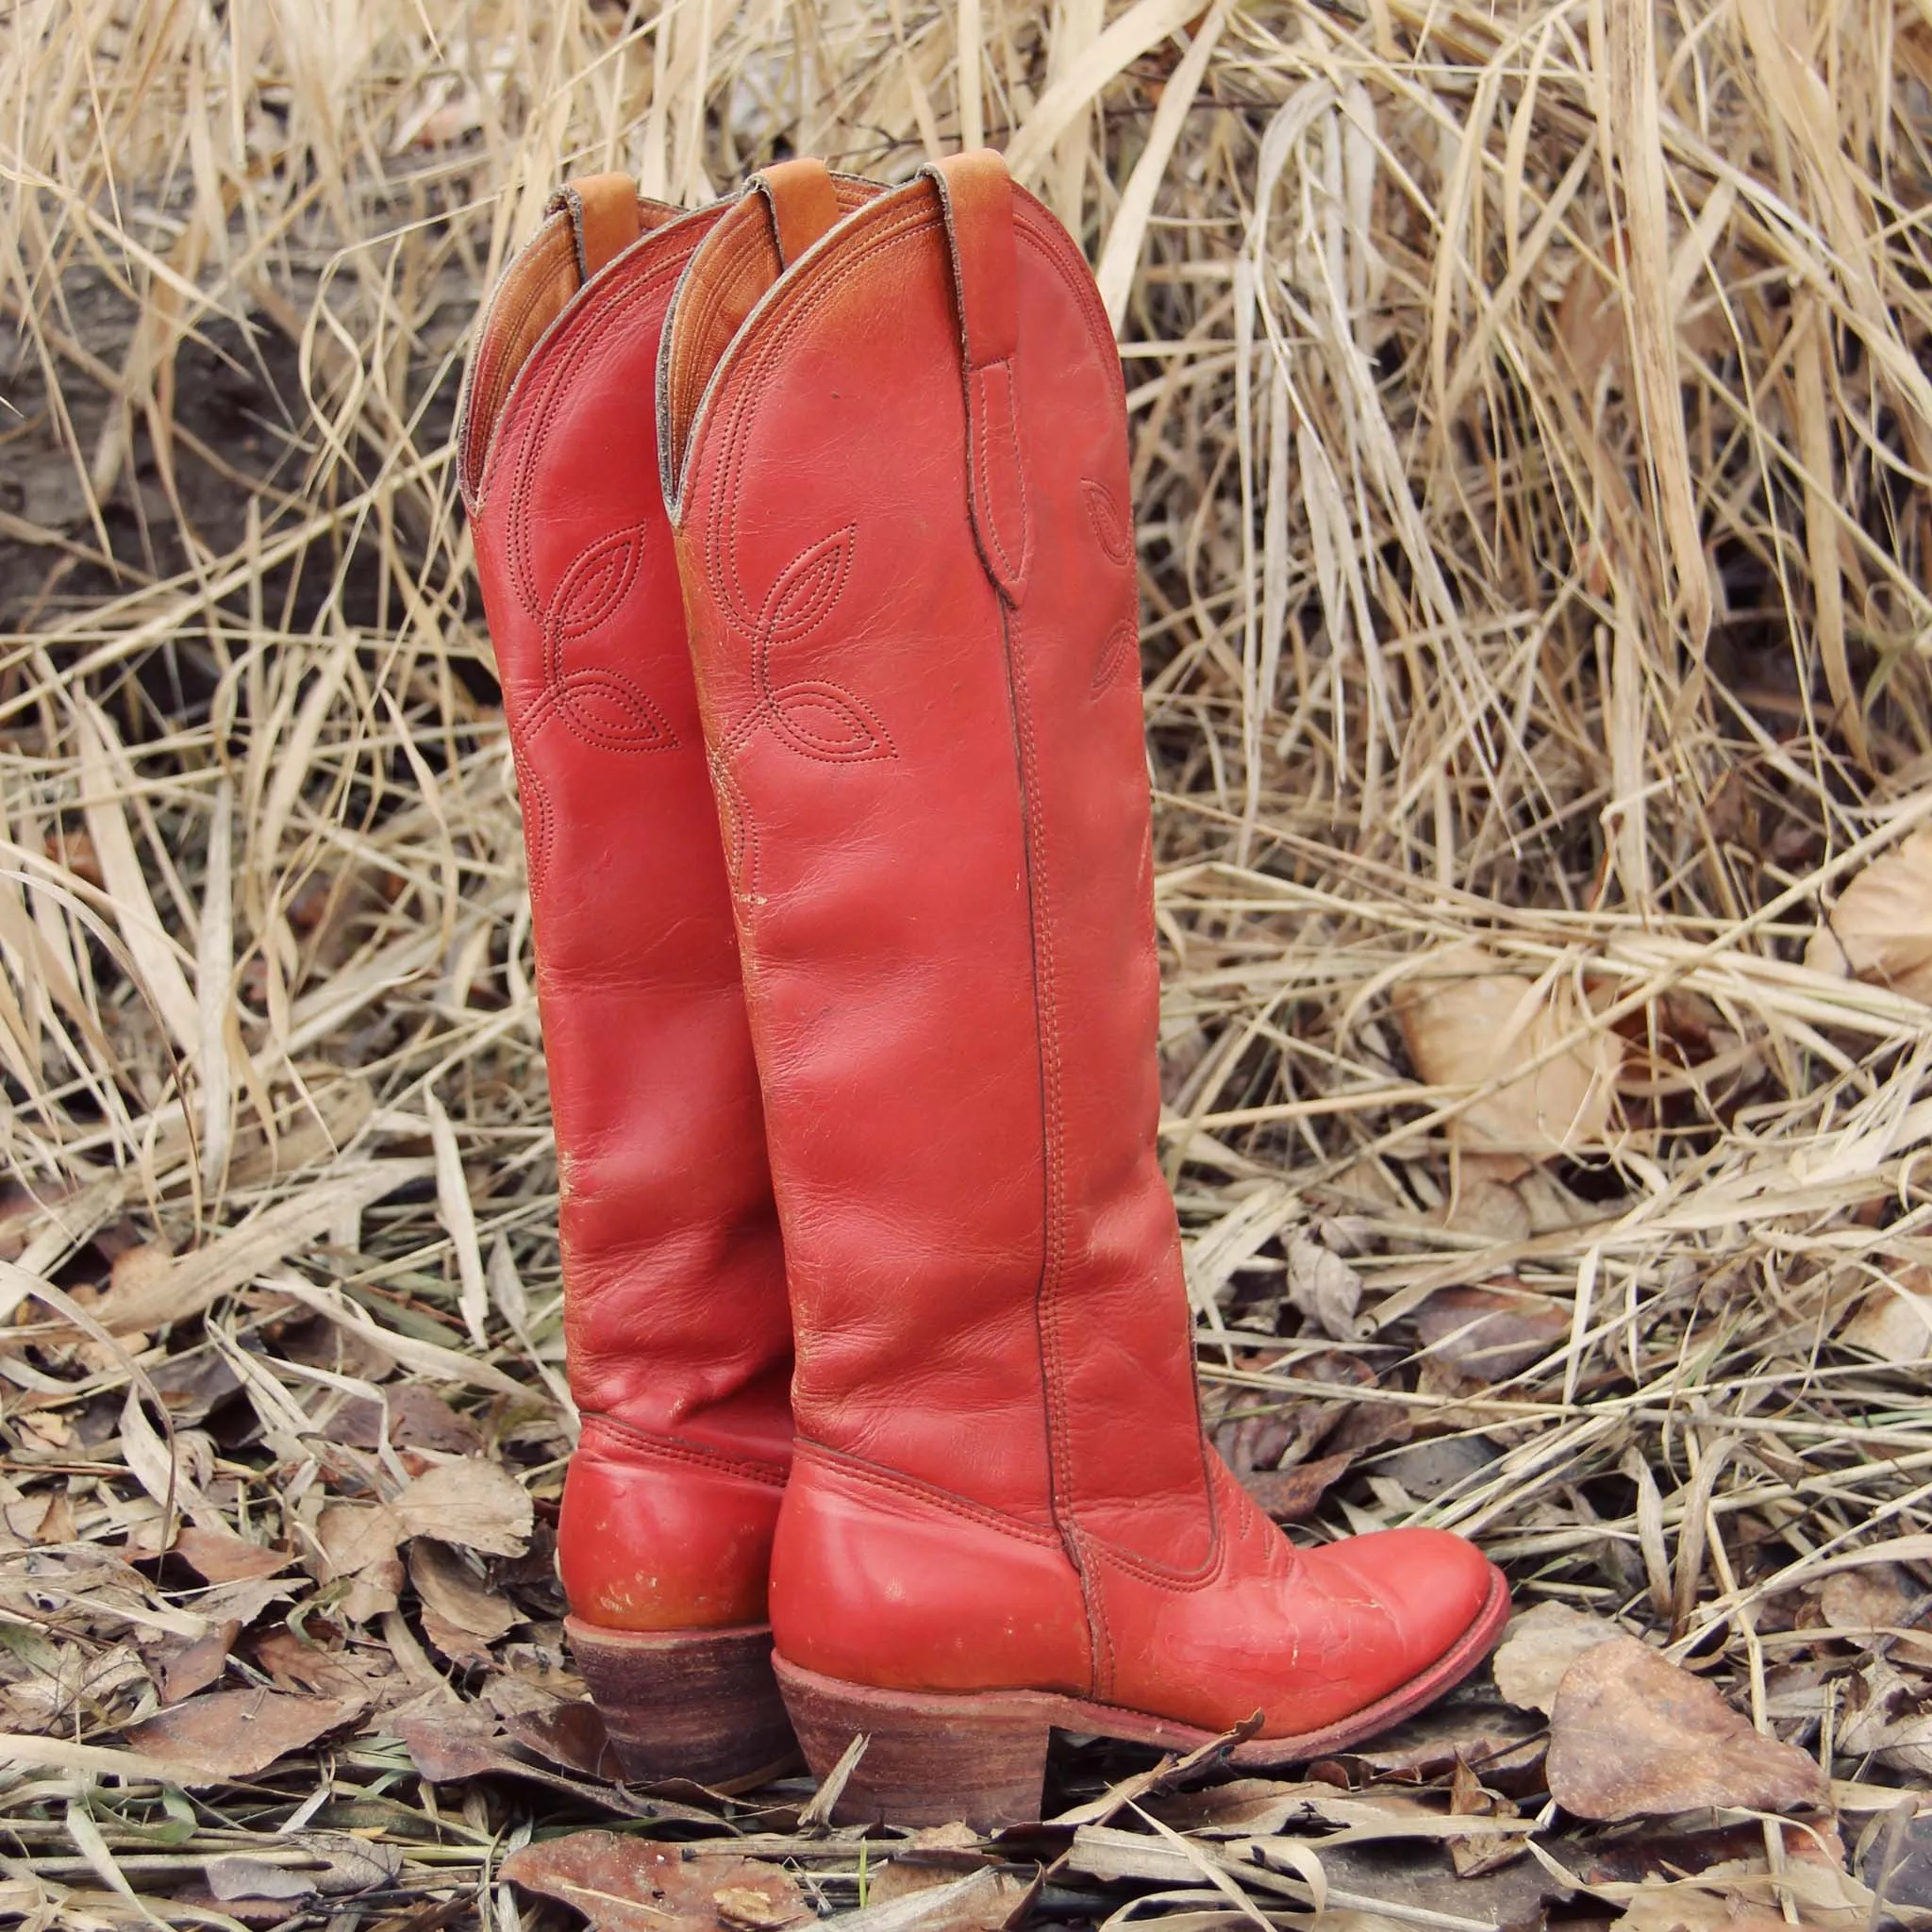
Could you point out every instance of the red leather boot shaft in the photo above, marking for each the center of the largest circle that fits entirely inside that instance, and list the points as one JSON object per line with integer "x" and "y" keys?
{"x": 674, "y": 1271}
{"x": 903, "y": 521}
{"x": 949, "y": 929}
{"x": 676, "y": 1325}
{"x": 678, "y": 1331}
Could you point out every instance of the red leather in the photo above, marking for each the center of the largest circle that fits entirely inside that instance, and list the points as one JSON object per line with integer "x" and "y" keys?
{"x": 901, "y": 501}
{"x": 676, "y": 1320}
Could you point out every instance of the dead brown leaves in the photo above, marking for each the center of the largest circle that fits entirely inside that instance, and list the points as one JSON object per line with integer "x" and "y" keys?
{"x": 1631, "y": 1735}
{"x": 629, "y": 1885}
{"x": 1545, "y": 1071}
{"x": 1881, "y": 927}
{"x": 235, "y": 1734}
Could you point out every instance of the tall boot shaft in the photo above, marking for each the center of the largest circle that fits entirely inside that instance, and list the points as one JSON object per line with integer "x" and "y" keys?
{"x": 900, "y": 497}
{"x": 677, "y": 1330}
{"x": 910, "y": 578}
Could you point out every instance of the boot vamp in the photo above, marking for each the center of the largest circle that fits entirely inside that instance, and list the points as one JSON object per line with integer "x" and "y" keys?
{"x": 1304, "y": 1636}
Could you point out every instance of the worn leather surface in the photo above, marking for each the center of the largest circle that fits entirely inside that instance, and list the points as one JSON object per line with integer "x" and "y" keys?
{"x": 677, "y": 1326}
{"x": 900, "y": 495}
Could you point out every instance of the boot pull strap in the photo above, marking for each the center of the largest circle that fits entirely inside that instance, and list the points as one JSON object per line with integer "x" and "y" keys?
{"x": 977, "y": 198}
{"x": 605, "y": 218}
{"x": 802, "y": 202}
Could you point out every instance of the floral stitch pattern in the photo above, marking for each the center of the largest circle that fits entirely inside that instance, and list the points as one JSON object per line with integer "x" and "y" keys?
{"x": 598, "y": 706}
{"x": 1122, "y": 647}
{"x": 813, "y": 716}
{"x": 1110, "y": 525}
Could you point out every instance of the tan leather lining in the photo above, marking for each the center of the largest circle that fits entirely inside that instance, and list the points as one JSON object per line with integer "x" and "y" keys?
{"x": 530, "y": 297}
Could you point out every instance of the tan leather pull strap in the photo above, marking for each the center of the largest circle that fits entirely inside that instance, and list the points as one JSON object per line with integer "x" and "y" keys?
{"x": 976, "y": 197}
{"x": 977, "y": 192}
{"x": 605, "y": 218}
{"x": 803, "y": 202}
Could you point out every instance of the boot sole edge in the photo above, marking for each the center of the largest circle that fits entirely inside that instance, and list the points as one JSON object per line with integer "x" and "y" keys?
{"x": 985, "y": 1751}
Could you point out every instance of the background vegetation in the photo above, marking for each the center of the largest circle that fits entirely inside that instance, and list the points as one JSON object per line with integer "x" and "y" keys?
{"x": 1532, "y": 429}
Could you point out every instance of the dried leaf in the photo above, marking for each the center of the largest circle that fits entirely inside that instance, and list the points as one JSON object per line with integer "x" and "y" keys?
{"x": 1540, "y": 1645}
{"x": 461, "y": 1615}
{"x": 1322, "y": 1287}
{"x": 302, "y": 1664}
{"x": 236, "y": 1877}
{"x": 1894, "y": 1323}
{"x": 221, "y": 1557}
{"x": 475, "y": 1503}
{"x": 630, "y": 1884}
{"x": 449, "y": 1742}
{"x": 234, "y": 1734}
{"x": 358, "y": 1543}
{"x": 1491, "y": 1333}
{"x": 183, "y": 1665}
{"x": 330, "y": 1863}
{"x": 1476, "y": 1730}
{"x": 1631, "y": 1735}
{"x": 1690, "y": 1908}
{"x": 1468, "y": 1022}
{"x": 417, "y": 1417}
{"x": 1881, "y": 928}
{"x": 981, "y": 1901}
{"x": 1891, "y": 1724}
{"x": 1290, "y": 1495}
{"x": 1263, "y": 1807}
{"x": 195, "y": 1280}
{"x": 570, "y": 1735}
{"x": 1873, "y": 1601}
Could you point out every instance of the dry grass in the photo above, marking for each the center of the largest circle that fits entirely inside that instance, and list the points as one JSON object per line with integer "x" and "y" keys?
{"x": 1533, "y": 458}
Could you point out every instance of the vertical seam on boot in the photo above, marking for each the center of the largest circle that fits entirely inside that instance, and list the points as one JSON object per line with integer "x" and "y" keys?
{"x": 1046, "y": 1039}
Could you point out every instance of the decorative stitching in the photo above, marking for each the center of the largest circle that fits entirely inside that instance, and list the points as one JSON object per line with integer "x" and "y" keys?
{"x": 535, "y": 795}
{"x": 590, "y": 591}
{"x": 690, "y": 1454}
{"x": 1212, "y": 1569}
{"x": 910, "y": 223}
{"x": 1046, "y": 1009}
{"x": 740, "y": 832}
{"x": 1122, "y": 647}
{"x": 594, "y": 584}
{"x": 1102, "y": 1656}
{"x": 1110, "y": 526}
{"x": 602, "y": 307}
{"x": 721, "y": 559}
{"x": 910, "y": 1487}
{"x": 983, "y": 465}
{"x": 803, "y": 594}
{"x": 650, "y": 729}
{"x": 866, "y": 739}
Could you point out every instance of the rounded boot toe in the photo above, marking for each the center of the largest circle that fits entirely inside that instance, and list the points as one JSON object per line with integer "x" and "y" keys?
{"x": 1433, "y": 1584}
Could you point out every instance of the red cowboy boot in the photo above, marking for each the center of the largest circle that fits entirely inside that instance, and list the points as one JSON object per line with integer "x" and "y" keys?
{"x": 677, "y": 1332}
{"x": 900, "y": 495}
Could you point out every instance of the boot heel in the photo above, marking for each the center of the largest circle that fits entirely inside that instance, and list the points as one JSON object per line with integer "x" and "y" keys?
{"x": 929, "y": 1759}
{"x": 695, "y": 1703}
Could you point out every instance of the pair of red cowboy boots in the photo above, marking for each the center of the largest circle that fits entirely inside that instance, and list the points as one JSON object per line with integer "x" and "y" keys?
{"x": 804, "y": 531}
